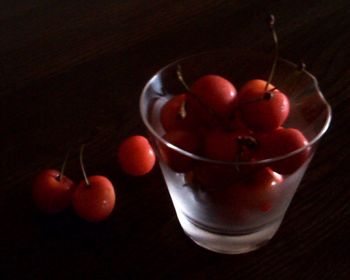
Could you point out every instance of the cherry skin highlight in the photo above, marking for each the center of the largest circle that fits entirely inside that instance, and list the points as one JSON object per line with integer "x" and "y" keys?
{"x": 136, "y": 156}
{"x": 281, "y": 142}
{"x": 216, "y": 93}
{"x": 263, "y": 189}
{"x": 94, "y": 202}
{"x": 262, "y": 109}
{"x": 51, "y": 193}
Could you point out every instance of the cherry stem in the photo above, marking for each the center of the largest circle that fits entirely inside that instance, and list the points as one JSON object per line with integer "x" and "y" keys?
{"x": 267, "y": 96}
{"x": 245, "y": 141}
{"x": 182, "y": 111}
{"x": 295, "y": 78}
{"x": 275, "y": 40}
{"x": 181, "y": 78}
{"x": 82, "y": 165}
{"x": 63, "y": 165}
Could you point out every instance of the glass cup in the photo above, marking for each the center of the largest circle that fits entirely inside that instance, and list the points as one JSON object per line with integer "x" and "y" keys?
{"x": 233, "y": 207}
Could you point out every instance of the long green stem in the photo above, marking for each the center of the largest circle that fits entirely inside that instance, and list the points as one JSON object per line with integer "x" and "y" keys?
{"x": 82, "y": 165}
{"x": 275, "y": 40}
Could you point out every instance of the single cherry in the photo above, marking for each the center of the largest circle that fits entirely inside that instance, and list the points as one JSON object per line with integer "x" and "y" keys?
{"x": 94, "y": 198}
{"x": 262, "y": 109}
{"x": 94, "y": 201}
{"x": 262, "y": 106}
{"x": 136, "y": 156}
{"x": 229, "y": 146}
{"x": 197, "y": 109}
{"x": 262, "y": 189}
{"x": 256, "y": 193}
{"x": 236, "y": 146}
{"x": 52, "y": 191}
{"x": 281, "y": 142}
{"x": 175, "y": 116}
{"x": 216, "y": 93}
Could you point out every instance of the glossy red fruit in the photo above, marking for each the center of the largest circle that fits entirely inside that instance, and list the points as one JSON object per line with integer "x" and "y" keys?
{"x": 94, "y": 202}
{"x": 184, "y": 140}
{"x": 227, "y": 146}
{"x": 261, "y": 110}
{"x": 215, "y": 92}
{"x": 52, "y": 194}
{"x": 256, "y": 193}
{"x": 174, "y": 115}
{"x": 136, "y": 156}
{"x": 281, "y": 142}
{"x": 263, "y": 188}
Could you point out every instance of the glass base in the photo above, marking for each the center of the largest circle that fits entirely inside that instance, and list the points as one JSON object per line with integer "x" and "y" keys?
{"x": 228, "y": 244}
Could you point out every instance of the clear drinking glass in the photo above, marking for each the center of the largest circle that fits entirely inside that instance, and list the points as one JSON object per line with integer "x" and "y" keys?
{"x": 214, "y": 215}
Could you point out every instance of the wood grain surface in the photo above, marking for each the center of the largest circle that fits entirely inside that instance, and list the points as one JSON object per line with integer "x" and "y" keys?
{"x": 72, "y": 72}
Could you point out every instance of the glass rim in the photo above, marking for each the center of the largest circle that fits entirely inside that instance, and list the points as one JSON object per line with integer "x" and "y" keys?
{"x": 310, "y": 143}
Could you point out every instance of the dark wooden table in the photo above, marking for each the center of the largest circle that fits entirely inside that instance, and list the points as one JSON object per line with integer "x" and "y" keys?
{"x": 73, "y": 71}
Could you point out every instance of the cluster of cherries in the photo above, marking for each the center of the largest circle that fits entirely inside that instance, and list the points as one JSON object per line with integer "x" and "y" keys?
{"x": 244, "y": 128}
{"x": 210, "y": 119}
{"x": 93, "y": 199}
{"x": 214, "y": 120}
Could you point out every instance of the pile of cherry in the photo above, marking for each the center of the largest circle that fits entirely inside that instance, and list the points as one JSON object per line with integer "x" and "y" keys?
{"x": 211, "y": 120}
{"x": 214, "y": 120}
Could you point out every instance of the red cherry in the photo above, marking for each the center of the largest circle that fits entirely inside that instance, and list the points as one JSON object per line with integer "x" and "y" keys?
{"x": 256, "y": 193}
{"x": 263, "y": 188}
{"x": 95, "y": 201}
{"x": 227, "y": 146}
{"x": 136, "y": 156}
{"x": 186, "y": 141}
{"x": 174, "y": 115}
{"x": 281, "y": 142}
{"x": 51, "y": 192}
{"x": 215, "y": 92}
{"x": 261, "y": 110}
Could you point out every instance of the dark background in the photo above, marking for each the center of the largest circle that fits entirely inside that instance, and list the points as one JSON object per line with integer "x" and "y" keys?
{"x": 72, "y": 72}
